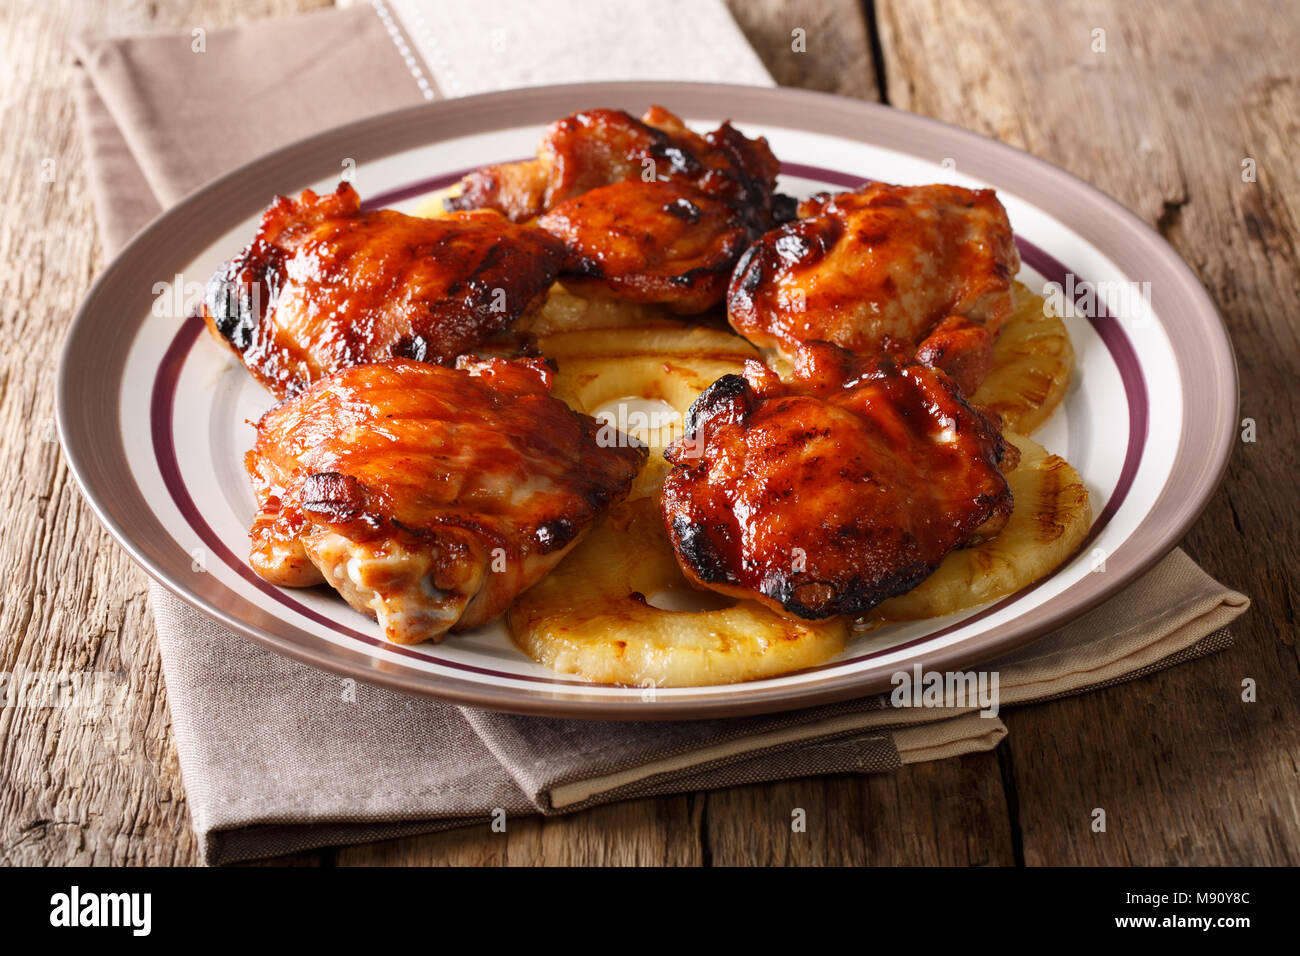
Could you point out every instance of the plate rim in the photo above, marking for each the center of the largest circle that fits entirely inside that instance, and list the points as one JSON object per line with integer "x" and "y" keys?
{"x": 387, "y": 134}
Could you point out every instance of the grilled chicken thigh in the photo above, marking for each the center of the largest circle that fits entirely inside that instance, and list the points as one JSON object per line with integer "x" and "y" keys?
{"x": 917, "y": 271}
{"x": 598, "y": 147}
{"x": 649, "y": 210}
{"x": 830, "y": 493}
{"x": 324, "y": 286}
{"x": 429, "y": 497}
{"x": 658, "y": 242}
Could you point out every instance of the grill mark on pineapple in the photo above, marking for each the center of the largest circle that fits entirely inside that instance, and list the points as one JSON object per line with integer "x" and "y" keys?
{"x": 1036, "y": 388}
{"x": 1032, "y": 363}
{"x": 1049, "y": 515}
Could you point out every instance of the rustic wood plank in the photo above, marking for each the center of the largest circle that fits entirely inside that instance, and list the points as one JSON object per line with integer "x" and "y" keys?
{"x": 951, "y": 812}
{"x": 88, "y": 785}
{"x": 814, "y": 44}
{"x": 1163, "y": 120}
{"x": 656, "y": 832}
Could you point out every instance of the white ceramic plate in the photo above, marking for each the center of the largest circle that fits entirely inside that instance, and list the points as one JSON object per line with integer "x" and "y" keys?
{"x": 154, "y": 416}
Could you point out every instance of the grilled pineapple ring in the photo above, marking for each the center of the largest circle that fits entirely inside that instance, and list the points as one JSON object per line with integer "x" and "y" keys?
{"x": 1052, "y": 515}
{"x": 1032, "y": 359}
{"x": 644, "y": 378}
{"x": 565, "y": 312}
{"x": 591, "y": 617}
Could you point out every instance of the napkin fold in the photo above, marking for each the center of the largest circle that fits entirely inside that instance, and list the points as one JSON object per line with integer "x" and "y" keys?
{"x": 278, "y": 757}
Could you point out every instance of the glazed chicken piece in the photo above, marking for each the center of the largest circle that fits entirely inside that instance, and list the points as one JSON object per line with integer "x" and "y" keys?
{"x": 599, "y": 147}
{"x": 324, "y": 285}
{"x": 649, "y": 242}
{"x": 649, "y": 210}
{"x": 916, "y": 271}
{"x": 429, "y": 497}
{"x": 828, "y": 494}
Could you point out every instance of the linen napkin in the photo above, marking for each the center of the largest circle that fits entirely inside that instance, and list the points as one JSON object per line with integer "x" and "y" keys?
{"x": 277, "y": 756}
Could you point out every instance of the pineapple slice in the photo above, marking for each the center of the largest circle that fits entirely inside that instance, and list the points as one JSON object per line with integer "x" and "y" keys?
{"x": 1032, "y": 359}
{"x": 1052, "y": 515}
{"x": 565, "y": 312}
{"x": 591, "y": 616}
{"x": 643, "y": 379}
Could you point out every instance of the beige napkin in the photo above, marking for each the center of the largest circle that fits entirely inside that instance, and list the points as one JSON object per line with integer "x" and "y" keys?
{"x": 277, "y": 756}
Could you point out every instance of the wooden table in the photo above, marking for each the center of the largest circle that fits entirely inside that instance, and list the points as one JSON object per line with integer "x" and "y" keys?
{"x": 1162, "y": 118}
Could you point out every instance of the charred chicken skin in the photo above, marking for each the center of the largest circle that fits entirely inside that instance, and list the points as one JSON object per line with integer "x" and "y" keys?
{"x": 429, "y": 497}
{"x": 832, "y": 492}
{"x": 324, "y": 286}
{"x": 649, "y": 210}
{"x": 599, "y": 147}
{"x": 915, "y": 271}
{"x": 649, "y": 242}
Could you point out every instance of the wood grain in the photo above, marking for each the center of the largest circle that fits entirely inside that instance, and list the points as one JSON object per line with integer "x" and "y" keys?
{"x": 1185, "y": 770}
{"x": 813, "y": 44}
{"x": 951, "y": 812}
{"x": 658, "y": 832}
{"x": 1163, "y": 119}
{"x": 77, "y": 785}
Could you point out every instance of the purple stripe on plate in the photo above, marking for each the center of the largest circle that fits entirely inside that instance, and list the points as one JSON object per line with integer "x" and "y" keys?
{"x": 403, "y": 193}
{"x": 162, "y": 429}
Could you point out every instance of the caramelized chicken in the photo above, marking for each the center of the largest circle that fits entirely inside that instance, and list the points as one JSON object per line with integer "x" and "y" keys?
{"x": 648, "y": 242}
{"x": 324, "y": 286}
{"x": 650, "y": 211}
{"x": 599, "y": 147}
{"x": 833, "y": 492}
{"x": 429, "y": 496}
{"x": 917, "y": 271}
